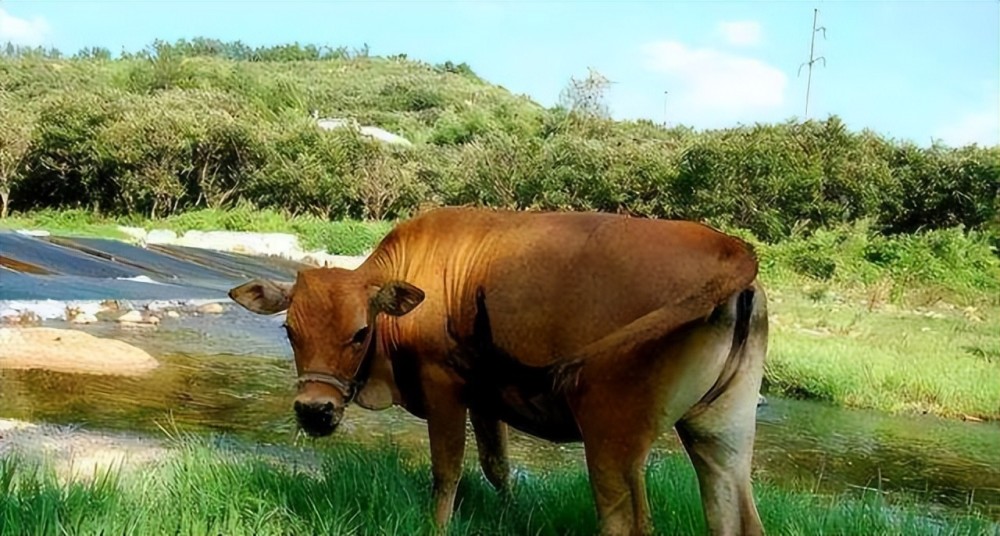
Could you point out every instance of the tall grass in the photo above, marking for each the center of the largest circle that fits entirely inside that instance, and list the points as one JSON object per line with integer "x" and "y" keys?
{"x": 205, "y": 488}
{"x": 929, "y": 360}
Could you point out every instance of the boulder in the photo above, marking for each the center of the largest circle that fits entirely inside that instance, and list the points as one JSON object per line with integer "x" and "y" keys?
{"x": 71, "y": 351}
{"x": 213, "y": 308}
{"x": 136, "y": 317}
{"x": 161, "y": 236}
{"x": 84, "y": 318}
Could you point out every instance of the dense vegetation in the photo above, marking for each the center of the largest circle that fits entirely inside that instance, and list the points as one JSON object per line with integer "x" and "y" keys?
{"x": 207, "y": 124}
{"x": 384, "y": 490}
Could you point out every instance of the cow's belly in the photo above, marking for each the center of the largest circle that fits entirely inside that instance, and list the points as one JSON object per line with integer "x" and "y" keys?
{"x": 522, "y": 396}
{"x": 545, "y": 415}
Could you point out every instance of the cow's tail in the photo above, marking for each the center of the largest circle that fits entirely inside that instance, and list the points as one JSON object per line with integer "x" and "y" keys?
{"x": 737, "y": 354}
{"x": 651, "y": 328}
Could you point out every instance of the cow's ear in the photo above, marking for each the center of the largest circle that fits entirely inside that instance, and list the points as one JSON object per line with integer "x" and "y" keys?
{"x": 262, "y": 296}
{"x": 397, "y": 298}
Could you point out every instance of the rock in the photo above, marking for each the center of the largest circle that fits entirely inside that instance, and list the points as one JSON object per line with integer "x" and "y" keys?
{"x": 72, "y": 351}
{"x": 131, "y": 316}
{"x": 32, "y": 310}
{"x": 326, "y": 260}
{"x": 83, "y": 318}
{"x": 160, "y": 305}
{"x": 82, "y": 312}
{"x": 280, "y": 244}
{"x": 212, "y": 308}
{"x": 110, "y": 305}
{"x": 137, "y": 234}
{"x": 135, "y": 317}
{"x": 173, "y": 314}
{"x": 161, "y": 236}
{"x": 33, "y": 232}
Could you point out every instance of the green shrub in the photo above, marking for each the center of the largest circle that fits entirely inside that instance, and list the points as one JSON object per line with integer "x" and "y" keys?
{"x": 205, "y": 123}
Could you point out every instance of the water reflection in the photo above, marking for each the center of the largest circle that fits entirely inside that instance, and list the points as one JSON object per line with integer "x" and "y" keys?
{"x": 950, "y": 464}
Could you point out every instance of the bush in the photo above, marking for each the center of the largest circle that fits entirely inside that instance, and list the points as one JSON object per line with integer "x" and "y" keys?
{"x": 211, "y": 124}
{"x": 960, "y": 263}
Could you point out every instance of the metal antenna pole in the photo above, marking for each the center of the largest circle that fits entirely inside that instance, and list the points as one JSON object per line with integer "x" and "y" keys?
{"x": 665, "y": 109}
{"x": 812, "y": 59}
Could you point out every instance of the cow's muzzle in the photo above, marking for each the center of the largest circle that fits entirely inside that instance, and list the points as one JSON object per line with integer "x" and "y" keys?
{"x": 318, "y": 418}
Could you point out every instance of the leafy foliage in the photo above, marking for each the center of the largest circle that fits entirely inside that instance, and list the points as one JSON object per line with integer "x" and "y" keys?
{"x": 209, "y": 124}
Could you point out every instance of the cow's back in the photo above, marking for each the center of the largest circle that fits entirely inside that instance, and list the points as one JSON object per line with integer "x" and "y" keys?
{"x": 553, "y": 282}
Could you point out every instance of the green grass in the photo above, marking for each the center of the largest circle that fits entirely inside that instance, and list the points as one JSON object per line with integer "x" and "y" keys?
{"x": 205, "y": 488}
{"x": 338, "y": 237}
{"x": 65, "y": 222}
{"x": 941, "y": 360}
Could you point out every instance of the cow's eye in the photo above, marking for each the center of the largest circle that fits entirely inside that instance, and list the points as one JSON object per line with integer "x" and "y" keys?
{"x": 360, "y": 336}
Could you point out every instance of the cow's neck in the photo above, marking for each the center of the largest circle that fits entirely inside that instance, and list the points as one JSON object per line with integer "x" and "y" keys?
{"x": 438, "y": 264}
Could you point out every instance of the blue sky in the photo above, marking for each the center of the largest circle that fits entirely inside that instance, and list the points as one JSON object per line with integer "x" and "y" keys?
{"x": 907, "y": 69}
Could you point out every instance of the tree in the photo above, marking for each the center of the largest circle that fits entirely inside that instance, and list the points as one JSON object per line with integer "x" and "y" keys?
{"x": 587, "y": 96}
{"x": 15, "y": 141}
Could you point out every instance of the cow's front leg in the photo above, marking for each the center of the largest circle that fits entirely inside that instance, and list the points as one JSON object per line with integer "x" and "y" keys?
{"x": 446, "y": 428}
{"x": 491, "y": 441}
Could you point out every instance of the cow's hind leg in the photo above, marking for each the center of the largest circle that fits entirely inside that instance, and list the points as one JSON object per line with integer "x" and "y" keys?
{"x": 719, "y": 438}
{"x": 630, "y": 397}
{"x": 491, "y": 441}
{"x": 618, "y": 430}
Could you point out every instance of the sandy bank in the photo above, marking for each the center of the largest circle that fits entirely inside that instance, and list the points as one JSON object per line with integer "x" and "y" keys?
{"x": 71, "y": 351}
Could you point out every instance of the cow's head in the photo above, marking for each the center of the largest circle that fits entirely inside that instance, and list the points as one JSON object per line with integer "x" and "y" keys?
{"x": 331, "y": 324}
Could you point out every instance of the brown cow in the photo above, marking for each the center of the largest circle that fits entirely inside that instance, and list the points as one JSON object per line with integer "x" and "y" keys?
{"x": 569, "y": 326}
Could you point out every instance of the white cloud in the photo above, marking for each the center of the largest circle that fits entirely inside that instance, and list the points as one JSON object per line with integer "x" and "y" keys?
{"x": 740, "y": 33}
{"x": 981, "y": 126}
{"x": 22, "y": 31}
{"x": 707, "y": 84}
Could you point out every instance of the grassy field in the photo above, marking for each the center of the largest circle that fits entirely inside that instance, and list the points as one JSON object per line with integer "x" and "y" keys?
{"x": 211, "y": 488}
{"x": 941, "y": 360}
{"x": 904, "y": 324}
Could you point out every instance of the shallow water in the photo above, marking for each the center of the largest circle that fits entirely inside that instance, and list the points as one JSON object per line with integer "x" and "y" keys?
{"x": 807, "y": 445}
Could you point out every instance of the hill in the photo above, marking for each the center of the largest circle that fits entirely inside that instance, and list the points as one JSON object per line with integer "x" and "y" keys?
{"x": 210, "y": 124}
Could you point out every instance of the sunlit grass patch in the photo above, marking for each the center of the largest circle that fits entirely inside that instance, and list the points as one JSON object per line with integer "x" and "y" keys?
{"x": 897, "y": 360}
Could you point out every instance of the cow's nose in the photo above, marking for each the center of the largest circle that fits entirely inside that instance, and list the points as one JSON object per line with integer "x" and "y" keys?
{"x": 313, "y": 407}
{"x": 317, "y": 418}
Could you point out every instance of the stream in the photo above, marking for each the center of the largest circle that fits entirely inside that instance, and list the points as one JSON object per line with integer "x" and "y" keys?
{"x": 232, "y": 373}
